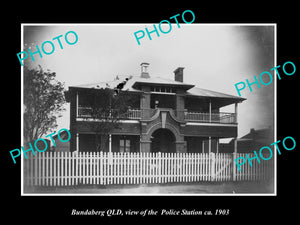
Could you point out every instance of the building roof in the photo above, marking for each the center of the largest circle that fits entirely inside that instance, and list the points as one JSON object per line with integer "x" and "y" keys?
{"x": 110, "y": 84}
{"x": 134, "y": 82}
{"x": 259, "y": 135}
{"x": 263, "y": 136}
{"x": 162, "y": 82}
{"x": 195, "y": 91}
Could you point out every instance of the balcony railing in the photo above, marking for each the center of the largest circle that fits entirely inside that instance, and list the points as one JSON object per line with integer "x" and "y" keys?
{"x": 222, "y": 117}
{"x": 86, "y": 112}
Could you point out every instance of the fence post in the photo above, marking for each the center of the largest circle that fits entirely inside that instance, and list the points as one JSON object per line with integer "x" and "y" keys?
{"x": 75, "y": 166}
{"x": 233, "y": 167}
{"x": 101, "y": 167}
{"x": 159, "y": 167}
{"x": 213, "y": 163}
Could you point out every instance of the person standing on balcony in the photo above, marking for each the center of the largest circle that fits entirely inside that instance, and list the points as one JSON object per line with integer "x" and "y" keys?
{"x": 156, "y": 104}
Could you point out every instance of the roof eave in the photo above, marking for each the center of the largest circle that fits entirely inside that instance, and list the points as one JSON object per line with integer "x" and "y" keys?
{"x": 235, "y": 98}
{"x": 183, "y": 86}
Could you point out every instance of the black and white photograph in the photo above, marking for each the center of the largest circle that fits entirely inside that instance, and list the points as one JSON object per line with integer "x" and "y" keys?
{"x": 170, "y": 109}
{"x": 148, "y": 113}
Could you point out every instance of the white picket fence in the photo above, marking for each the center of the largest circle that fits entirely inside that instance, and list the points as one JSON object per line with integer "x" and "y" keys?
{"x": 67, "y": 169}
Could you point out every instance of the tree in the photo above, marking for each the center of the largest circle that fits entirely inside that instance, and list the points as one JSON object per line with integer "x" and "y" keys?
{"x": 108, "y": 107}
{"x": 43, "y": 102}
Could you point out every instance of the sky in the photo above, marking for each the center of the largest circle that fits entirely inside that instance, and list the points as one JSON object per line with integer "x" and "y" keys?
{"x": 215, "y": 57}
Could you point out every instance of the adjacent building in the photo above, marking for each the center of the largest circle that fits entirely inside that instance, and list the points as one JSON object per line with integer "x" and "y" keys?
{"x": 253, "y": 141}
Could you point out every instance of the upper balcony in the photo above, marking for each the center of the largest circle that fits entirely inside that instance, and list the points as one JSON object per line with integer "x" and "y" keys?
{"x": 221, "y": 117}
{"x": 199, "y": 117}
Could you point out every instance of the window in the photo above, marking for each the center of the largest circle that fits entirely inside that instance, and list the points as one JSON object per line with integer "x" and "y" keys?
{"x": 162, "y": 89}
{"x": 124, "y": 145}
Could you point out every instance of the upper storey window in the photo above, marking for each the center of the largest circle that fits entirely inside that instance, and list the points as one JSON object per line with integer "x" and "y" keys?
{"x": 162, "y": 89}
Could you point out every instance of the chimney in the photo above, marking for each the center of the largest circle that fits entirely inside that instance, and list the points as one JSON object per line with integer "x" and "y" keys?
{"x": 144, "y": 70}
{"x": 179, "y": 74}
{"x": 252, "y": 133}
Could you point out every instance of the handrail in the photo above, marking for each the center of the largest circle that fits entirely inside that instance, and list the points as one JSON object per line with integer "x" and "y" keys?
{"x": 205, "y": 117}
{"x": 85, "y": 112}
{"x": 221, "y": 117}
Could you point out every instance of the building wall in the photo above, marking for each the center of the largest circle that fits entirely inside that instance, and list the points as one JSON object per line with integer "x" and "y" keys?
{"x": 192, "y": 138}
{"x": 194, "y": 144}
{"x": 200, "y": 144}
{"x": 132, "y": 128}
{"x": 210, "y": 131}
{"x": 214, "y": 145}
{"x": 146, "y": 126}
{"x": 87, "y": 143}
{"x": 133, "y": 139}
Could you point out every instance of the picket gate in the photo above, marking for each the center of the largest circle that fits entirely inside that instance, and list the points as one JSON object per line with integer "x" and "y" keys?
{"x": 104, "y": 168}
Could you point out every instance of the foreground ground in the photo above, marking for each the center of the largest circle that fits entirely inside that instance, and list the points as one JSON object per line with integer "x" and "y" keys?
{"x": 162, "y": 189}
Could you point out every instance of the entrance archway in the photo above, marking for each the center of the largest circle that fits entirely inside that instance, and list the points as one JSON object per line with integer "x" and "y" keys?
{"x": 163, "y": 140}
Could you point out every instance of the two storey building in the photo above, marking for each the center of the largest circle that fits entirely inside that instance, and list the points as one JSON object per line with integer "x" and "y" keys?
{"x": 169, "y": 116}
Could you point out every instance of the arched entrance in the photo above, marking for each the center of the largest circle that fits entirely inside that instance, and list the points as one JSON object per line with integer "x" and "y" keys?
{"x": 163, "y": 140}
